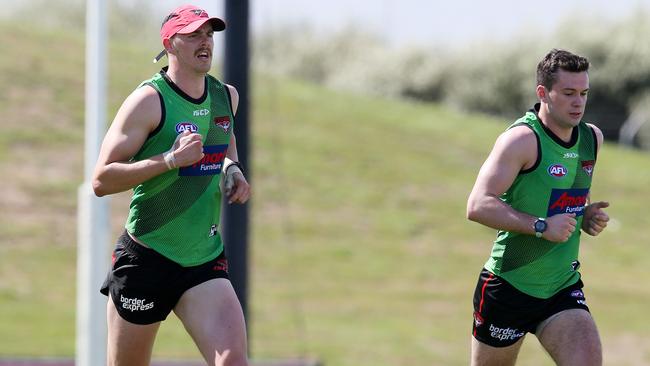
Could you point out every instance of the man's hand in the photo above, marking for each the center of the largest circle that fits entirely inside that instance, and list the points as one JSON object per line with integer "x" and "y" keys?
{"x": 595, "y": 219}
{"x": 235, "y": 186}
{"x": 560, "y": 227}
{"x": 187, "y": 149}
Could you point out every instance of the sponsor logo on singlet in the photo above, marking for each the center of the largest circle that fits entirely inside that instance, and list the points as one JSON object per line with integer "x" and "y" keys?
{"x": 210, "y": 164}
{"x": 571, "y": 200}
{"x": 200, "y": 112}
{"x": 186, "y": 126}
{"x": 213, "y": 230}
{"x": 135, "y": 304}
{"x": 223, "y": 122}
{"x": 557, "y": 170}
{"x": 588, "y": 166}
{"x": 570, "y": 155}
{"x": 575, "y": 265}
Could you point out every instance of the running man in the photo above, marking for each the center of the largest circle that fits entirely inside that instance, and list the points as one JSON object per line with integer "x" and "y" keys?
{"x": 172, "y": 142}
{"x": 534, "y": 189}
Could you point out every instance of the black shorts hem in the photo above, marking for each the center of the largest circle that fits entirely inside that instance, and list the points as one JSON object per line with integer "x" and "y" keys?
{"x": 495, "y": 344}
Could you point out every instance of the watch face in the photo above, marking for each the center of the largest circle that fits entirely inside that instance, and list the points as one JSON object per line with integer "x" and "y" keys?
{"x": 540, "y": 226}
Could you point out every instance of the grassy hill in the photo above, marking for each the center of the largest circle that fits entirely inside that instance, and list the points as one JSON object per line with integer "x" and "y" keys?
{"x": 361, "y": 254}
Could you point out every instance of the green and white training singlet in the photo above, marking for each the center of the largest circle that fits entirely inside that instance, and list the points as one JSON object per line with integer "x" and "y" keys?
{"x": 559, "y": 182}
{"x": 177, "y": 213}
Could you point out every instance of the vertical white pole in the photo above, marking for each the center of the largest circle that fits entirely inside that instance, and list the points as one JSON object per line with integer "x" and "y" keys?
{"x": 92, "y": 220}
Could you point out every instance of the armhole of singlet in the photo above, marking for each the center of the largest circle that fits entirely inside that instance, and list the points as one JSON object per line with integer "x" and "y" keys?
{"x": 232, "y": 111}
{"x": 162, "y": 112}
{"x": 593, "y": 135}
{"x": 539, "y": 150}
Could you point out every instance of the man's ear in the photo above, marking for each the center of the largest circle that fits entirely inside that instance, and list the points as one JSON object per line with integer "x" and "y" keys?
{"x": 542, "y": 93}
{"x": 167, "y": 43}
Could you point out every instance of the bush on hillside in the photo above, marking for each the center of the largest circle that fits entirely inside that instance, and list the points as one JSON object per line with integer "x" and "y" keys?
{"x": 497, "y": 78}
{"x": 350, "y": 59}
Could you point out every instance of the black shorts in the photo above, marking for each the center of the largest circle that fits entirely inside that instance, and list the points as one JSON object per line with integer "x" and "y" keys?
{"x": 145, "y": 286}
{"x": 503, "y": 314}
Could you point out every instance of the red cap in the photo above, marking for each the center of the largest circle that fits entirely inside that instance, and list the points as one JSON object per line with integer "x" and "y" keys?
{"x": 186, "y": 19}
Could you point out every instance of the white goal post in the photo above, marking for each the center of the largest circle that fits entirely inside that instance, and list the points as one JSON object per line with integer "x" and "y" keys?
{"x": 93, "y": 224}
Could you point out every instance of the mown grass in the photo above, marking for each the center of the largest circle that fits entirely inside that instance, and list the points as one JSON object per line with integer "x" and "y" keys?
{"x": 360, "y": 252}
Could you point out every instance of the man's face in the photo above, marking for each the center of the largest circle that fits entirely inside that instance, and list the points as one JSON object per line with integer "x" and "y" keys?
{"x": 194, "y": 50}
{"x": 568, "y": 97}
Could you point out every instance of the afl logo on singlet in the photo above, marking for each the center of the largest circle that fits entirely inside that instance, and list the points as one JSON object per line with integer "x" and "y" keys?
{"x": 557, "y": 170}
{"x": 186, "y": 126}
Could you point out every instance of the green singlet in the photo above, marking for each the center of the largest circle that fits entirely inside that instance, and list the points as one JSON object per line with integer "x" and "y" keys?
{"x": 558, "y": 182}
{"x": 177, "y": 213}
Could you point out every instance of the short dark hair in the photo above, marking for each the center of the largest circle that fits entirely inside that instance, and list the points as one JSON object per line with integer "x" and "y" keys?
{"x": 559, "y": 59}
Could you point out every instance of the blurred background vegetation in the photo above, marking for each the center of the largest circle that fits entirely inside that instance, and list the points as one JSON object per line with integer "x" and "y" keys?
{"x": 364, "y": 153}
{"x": 495, "y": 78}
{"x": 491, "y": 77}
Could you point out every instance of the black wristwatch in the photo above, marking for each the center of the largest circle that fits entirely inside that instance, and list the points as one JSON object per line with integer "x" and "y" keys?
{"x": 237, "y": 164}
{"x": 540, "y": 227}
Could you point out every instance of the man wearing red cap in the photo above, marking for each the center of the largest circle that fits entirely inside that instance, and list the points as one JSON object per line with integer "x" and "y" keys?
{"x": 172, "y": 142}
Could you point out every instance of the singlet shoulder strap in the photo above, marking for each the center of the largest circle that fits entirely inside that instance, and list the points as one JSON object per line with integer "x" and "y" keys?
{"x": 538, "y": 142}
{"x": 161, "y": 123}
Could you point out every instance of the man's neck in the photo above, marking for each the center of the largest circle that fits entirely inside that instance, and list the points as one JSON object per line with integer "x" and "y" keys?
{"x": 563, "y": 132}
{"x": 190, "y": 82}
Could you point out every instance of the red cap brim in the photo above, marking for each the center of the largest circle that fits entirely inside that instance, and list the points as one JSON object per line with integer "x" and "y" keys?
{"x": 217, "y": 25}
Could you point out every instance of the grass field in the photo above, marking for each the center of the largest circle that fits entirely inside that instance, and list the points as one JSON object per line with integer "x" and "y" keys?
{"x": 360, "y": 252}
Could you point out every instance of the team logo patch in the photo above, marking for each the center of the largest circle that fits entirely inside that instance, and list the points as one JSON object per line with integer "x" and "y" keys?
{"x": 210, "y": 164}
{"x": 557, "y": 170}
{"x": 588, "y": 166}
{"x": 186, "y": 126}
{"x": 223, "y": 122}
{"x": 571, "y": 200}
